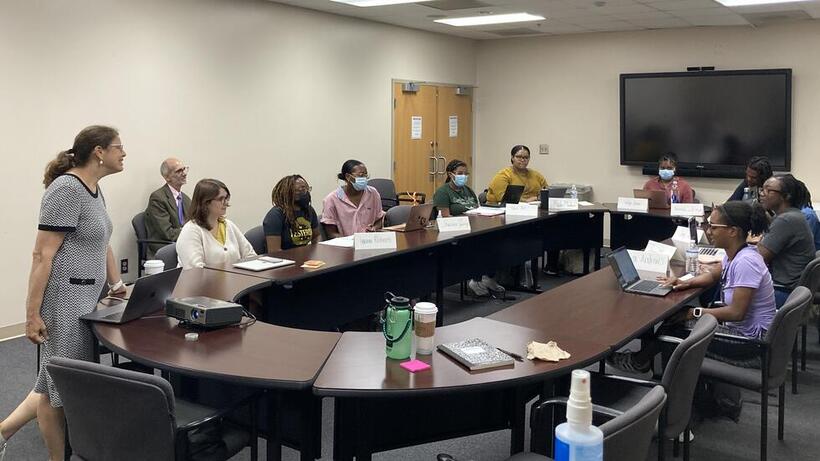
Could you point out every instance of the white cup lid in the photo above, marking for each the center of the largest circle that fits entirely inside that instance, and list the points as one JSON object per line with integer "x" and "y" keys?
{"x": 425, "y": 308}
{"x": 154, "y": 263}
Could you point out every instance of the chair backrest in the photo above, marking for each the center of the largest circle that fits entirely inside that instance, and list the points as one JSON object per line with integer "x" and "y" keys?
{"x": 168, "y": 255}
{"x": 482, "y": 197}
{"x": 138, "y": 223}
{"x": 681, "y": 374}
{"x": 114, "y": 413}
{"x": 397, "y": 215}
{"x": 782, "y": 332}
{"x": 256, "y": 237}
{"x": 628, "y": 436}
{"x": 810, "y": 278}
{"x": 387, "y": 190}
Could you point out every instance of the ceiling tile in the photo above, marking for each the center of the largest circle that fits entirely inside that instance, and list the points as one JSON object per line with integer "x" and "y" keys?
{"x": 717, "y": 21}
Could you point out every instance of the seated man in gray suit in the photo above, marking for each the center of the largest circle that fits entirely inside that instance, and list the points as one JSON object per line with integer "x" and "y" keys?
{"x": 168, "y": 206}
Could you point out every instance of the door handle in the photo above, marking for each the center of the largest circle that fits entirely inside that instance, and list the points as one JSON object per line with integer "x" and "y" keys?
{"x": 433, "y": 166}
{"x": 443, "y": 164}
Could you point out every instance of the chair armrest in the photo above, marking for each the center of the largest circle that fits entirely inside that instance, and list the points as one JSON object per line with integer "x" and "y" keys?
{"x": 669, "y": 339}
{"x": 742, "y": 339}
{"x": 562, "y": 401}
{"x": 166, "y": 242}
{"x": 626, "y": 379}
{"x": 219, "y": 413}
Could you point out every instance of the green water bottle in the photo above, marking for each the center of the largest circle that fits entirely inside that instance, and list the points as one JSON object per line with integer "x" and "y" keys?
{"x": 397, "y": 322}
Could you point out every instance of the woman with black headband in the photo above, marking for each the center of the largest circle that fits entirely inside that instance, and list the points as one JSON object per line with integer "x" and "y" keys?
{"x": 747, "y": 305}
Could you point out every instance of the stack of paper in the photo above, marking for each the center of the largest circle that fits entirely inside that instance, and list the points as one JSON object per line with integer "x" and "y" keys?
{"x": 485, "y": 211}
{"x": 345, "y": 242}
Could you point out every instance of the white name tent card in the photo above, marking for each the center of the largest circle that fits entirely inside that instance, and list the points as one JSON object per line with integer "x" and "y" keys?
{"x": 521, "y": 209}
{"x": 453, "y": 224}
{"x": 344, "y": 242}
{"x": 681, "y": 240}
{"x": 656, "y": 247}
{"x": 633, "y": 204}
{"x": 687, "y": 209}
{"x": 374, "y": 240}
{"x": 650, "y": 266}
{"x": 563, "y": 204}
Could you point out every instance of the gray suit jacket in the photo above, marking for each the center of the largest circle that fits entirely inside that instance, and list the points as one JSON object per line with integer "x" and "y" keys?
{"x": 162, "y": 217}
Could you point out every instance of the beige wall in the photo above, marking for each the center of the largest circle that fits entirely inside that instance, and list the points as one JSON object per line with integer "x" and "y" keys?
{"x": 242, "y": 90}
{"x": 563, "y": 91}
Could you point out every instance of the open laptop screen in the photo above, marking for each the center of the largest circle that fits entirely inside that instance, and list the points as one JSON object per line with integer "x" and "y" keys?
{"x": 623, "y": 266}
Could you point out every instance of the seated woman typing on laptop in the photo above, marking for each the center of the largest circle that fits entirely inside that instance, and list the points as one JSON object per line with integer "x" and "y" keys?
{"x": 518, "y": 175}
{"x": 676, "y": 188}
{"x": 210, "y": 239}
{"x": 291, "y": 222}
{"x": 353, "y": 207}
{"x": 746, "y": 306}
{"x": 454, "y": 198}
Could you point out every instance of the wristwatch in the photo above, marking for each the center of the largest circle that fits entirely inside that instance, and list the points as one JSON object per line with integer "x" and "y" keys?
{"x": 697, "y": 312}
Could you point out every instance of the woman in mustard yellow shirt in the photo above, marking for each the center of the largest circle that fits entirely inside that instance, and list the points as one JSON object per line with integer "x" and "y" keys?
{"x": 519, "y": 175}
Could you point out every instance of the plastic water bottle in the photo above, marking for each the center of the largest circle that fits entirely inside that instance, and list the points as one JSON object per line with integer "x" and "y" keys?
{"x": 573, "y": 192}
{"x": 692, "y": 258}
{"x": 747, "y": 194}
{"x": 674, "y": 198}
{"x": 577, "y": 439}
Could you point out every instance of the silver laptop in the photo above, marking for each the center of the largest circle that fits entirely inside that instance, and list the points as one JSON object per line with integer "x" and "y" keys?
{"x": 149, "y": 295}
{"x": 628, "y": 276}
{"x": 418, "y": 219}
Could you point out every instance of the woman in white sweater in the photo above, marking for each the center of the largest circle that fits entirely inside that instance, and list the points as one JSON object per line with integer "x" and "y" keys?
{"x": 210, "y": 239}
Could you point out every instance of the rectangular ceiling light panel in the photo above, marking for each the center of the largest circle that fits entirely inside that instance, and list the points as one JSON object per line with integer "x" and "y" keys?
{"x": 364, "y": 3}
{"x": 490, "y": 19}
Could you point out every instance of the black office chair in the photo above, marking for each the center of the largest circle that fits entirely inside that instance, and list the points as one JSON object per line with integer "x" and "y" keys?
{"x": 387, "y": 190}
{"x": 774, "y": 348}
{"x": 627, "y": 434}
{"x": 123, "y": 415}
{"x": 138, "y": 223}
{"x": 168, "y": 256}
{"x": 397, "y": 215}
{"x": 811, "y": 280}
{"x": 256, "y": 237}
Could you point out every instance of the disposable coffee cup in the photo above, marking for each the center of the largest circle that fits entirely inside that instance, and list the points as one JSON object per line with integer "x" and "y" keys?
{"x": 153, "y": 266}
{"x": 424, "y": 327}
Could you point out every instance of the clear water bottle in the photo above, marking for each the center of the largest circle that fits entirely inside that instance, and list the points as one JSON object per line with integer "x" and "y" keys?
{"x": 692, "y": 258}
{"x": 573, "y": 192}
{"x": 674, "y": 198}
{"x": 747, "y": 194}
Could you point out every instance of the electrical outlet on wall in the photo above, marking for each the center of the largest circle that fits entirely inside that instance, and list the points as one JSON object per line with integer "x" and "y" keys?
{"x": 124, "y": 266}
{"x": 543, "y": 149}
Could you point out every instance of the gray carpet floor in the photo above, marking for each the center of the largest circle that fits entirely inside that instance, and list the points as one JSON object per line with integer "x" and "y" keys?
{"x": 714, "y": 439}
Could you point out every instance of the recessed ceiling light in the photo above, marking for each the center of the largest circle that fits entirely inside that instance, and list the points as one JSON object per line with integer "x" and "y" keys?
{"x": 491, "y": 19}
{"x": 377, "y": 2}
{"x": 755, "y": 2}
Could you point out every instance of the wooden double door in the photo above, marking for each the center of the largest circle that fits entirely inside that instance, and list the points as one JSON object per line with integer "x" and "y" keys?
{"x": 432, "y": 125}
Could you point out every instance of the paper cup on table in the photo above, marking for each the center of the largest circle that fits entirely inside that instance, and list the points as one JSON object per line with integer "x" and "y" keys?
{"x": 424, "y": 327}
{"x": 153, "y": 266}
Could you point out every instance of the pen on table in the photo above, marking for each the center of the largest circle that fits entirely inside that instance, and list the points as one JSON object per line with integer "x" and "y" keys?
{"x": 517, "y": 357}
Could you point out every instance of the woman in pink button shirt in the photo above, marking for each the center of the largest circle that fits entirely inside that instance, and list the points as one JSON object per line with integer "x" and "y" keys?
{"x": 354, "y": 207}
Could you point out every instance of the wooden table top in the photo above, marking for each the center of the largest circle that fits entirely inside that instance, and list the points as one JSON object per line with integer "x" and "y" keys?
{"x": 358, "y": 365}
{"x": 216, "y": 284}
{"x": 261, "y": 354}
{"x": 338, "y": 258}
{"x": 594, "y": 306}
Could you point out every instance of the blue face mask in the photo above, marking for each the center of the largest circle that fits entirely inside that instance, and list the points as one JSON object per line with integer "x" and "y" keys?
{"x": 460, "y": 180}
{"x": 359, "y": 183}
{"x": 666, "y": 175}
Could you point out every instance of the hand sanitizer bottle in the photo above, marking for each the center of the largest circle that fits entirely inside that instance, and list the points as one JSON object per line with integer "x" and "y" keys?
{"x": 577, "y": 439}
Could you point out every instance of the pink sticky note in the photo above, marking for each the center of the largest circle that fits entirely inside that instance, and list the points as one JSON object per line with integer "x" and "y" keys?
{"x": 414, "y": 365}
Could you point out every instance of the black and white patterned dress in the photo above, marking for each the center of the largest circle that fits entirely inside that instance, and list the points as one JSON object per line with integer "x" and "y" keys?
{"x": 77, "y": 272}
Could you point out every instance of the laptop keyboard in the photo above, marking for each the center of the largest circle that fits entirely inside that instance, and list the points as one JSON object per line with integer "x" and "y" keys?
{"x": 644, "y": 285}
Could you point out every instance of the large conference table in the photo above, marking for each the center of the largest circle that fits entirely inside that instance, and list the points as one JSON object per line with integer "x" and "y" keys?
{"x": 379, "y": 405}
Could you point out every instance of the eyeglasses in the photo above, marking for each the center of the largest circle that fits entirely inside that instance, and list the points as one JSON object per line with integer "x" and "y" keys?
{"x": 183, "y": 170}
{"x": 303, "y": 189}
{"x": 708, "y": 224}
{"x": 225, "y": 200}
{"x": 766, "y": 190}
{"x": 118, "y": 146}
{"x": 522, "y": 157}
{"x": 360, "y": 176}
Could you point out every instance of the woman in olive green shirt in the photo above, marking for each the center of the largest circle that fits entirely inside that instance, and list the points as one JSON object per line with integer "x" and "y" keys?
{"x": 454, "y": 198}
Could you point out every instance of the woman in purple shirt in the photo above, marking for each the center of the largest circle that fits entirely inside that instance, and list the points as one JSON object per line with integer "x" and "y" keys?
{"x": 746, "y": 306}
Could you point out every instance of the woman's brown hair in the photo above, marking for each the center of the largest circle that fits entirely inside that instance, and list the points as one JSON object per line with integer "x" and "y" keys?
{"x": 283, "y": 195}
{"x": 205, "y": 191}
{"x": 80, "y": 153}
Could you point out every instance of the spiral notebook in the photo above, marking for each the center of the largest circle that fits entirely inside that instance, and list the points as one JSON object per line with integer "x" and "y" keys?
{"x": 475, "y": 354}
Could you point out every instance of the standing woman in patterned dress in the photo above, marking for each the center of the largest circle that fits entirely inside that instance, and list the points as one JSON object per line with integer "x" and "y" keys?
{"x": 72, "y": 261}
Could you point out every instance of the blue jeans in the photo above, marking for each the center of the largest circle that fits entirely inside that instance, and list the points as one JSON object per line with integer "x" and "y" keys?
{"x": 780, "y": 296}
